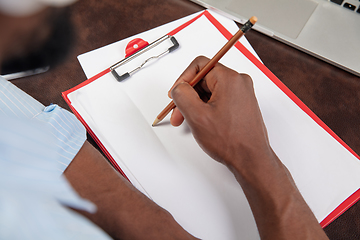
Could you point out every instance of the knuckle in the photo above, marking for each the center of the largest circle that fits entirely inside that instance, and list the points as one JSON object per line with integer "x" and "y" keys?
{"x": 175, "y": 91}
{"x": 246, "y": 80}
{"x": 178, "y": 89}
{"x": 200, "y": 60}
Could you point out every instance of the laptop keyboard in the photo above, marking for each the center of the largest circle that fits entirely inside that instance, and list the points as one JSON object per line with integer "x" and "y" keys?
{"x": 351, "y": 5}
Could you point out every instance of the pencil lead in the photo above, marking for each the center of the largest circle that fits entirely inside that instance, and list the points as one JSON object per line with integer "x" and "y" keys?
{"x": 155, "y": 122}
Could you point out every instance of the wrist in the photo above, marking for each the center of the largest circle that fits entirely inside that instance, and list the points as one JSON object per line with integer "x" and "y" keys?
{"x": 253, "y": 160}
{"x": 260, "y": 170}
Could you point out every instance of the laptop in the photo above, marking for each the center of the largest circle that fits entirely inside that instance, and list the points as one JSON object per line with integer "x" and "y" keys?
{"x": 327, "y": 29}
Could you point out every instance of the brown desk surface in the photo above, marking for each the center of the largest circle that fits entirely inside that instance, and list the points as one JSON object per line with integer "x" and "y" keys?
{"x": 333, "y": 94}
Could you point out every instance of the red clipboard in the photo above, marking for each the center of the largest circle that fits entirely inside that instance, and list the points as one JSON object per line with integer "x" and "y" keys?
{"x": 346, "y": 204}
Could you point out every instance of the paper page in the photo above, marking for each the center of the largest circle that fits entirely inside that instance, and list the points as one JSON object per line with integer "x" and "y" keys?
{"x": 167, "y": 164}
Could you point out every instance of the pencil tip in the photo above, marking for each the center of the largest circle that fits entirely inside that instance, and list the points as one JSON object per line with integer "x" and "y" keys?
{"x": 155, "y": 122}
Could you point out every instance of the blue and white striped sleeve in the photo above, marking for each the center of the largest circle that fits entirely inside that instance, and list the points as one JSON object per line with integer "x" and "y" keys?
{"x": 62, "y": 124}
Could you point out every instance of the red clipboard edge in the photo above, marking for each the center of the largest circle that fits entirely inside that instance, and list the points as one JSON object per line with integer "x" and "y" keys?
{"x": 350, "y": 201}
{"x": 345, "y": 205}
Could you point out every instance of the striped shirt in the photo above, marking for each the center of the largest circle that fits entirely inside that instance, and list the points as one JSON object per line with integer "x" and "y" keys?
{"x": 68, "y": 131}
{"x": 36, "y": 144}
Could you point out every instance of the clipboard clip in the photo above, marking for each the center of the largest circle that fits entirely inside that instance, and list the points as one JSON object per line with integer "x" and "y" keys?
{"x": 132, "y": 52}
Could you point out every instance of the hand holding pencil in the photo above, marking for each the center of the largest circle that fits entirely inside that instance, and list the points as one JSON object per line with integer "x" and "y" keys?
{"x": 231, "y": 118}
{"x": 247, "y": 26}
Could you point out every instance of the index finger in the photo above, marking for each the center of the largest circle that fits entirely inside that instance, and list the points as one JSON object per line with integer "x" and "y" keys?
{"x": 190, "y": 72}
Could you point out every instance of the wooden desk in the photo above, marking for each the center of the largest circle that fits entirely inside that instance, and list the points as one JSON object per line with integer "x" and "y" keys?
{"x": 333, "y": 94}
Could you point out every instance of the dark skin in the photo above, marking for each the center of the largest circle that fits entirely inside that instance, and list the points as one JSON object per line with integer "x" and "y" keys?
{"x": 228, "y": 126}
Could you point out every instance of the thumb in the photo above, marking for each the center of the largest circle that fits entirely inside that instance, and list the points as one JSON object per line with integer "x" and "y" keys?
{"x": 187, "y": 100}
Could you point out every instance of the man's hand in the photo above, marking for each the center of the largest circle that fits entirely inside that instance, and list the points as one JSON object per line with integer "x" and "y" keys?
{"x": 229, "y": 124}
{"x": 225, "y": 119}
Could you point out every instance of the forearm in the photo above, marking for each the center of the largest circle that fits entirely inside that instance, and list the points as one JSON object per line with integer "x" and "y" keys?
{"x": 123, "y": 212}
{"x": 278, "y": 207}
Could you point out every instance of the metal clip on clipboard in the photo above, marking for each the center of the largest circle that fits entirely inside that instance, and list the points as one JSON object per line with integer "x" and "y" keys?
{"x": 145, "y": 48}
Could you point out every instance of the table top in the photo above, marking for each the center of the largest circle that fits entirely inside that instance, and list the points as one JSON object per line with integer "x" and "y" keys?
{"x": 331, "y": 93}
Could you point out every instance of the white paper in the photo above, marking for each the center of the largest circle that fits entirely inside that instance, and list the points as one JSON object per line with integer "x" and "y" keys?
{"x": 166, "y": 163}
